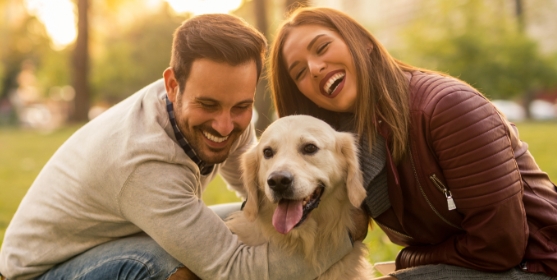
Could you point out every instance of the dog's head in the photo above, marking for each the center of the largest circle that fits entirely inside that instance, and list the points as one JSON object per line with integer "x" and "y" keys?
{"x": 299, "y": 161}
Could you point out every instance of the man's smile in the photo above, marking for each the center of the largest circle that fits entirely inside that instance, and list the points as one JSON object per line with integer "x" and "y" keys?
{"x": 214, "y": 138}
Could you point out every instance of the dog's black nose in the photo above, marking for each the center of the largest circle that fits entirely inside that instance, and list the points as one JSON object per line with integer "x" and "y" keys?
{"x": 280, "y": 181}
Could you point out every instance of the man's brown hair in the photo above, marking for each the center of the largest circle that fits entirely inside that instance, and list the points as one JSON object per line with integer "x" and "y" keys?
{"x": 219, "y": 37}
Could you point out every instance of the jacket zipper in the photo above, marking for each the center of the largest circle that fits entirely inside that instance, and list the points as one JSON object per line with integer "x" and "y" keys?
{"x": 444, "y": 190}
{"x": 394, "y": 231}
{"x": 424, "y": 195}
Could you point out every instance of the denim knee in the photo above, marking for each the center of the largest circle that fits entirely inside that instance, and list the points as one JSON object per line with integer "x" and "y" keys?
{"x": 135, "y": 257}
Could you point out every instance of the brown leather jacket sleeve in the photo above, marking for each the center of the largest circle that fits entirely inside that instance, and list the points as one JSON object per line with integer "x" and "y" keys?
{"x": 472, "y": 143}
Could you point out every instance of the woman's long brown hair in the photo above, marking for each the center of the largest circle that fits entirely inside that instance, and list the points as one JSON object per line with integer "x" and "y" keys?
{"x": 382, "y": 86}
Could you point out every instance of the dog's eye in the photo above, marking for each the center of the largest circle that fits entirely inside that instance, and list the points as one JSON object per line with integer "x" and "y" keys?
{"x": 310, "y": 149}
{"x": 268, "y": 153}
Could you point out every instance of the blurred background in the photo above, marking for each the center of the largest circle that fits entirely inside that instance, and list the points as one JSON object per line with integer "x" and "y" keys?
{"x": 63, "y": 62}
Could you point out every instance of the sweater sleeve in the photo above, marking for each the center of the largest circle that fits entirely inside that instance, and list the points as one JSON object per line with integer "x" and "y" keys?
{"x": 162, "y": 200}
{"x": 483, "y": 177}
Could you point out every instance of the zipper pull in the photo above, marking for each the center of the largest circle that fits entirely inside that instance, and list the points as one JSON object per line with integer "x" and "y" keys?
{"x": 450, "y": 201}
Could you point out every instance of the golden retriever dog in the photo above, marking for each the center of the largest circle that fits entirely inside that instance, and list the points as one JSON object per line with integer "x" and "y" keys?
{"x": 303, "y": 181}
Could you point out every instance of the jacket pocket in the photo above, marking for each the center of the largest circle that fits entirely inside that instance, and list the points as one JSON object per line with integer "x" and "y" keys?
{"x": 441, "y": 187}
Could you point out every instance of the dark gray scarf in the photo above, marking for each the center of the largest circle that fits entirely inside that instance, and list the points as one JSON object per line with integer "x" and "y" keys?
{"x": 372, "y": 165}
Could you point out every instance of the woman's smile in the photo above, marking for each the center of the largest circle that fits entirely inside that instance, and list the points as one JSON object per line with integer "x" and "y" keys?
{"x": 332, "y": 84}
{"x": 320, "y": 63}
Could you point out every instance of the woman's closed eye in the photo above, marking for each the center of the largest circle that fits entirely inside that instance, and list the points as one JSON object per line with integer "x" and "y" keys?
{"x": 322, "y": 47}
{"x": 300, "y": 73}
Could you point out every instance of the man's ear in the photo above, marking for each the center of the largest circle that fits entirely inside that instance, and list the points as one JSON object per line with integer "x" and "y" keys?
{"x": 171, "y": 84}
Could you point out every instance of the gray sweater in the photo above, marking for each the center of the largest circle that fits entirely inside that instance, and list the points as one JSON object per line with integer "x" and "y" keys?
{"x": 124, "y": 173}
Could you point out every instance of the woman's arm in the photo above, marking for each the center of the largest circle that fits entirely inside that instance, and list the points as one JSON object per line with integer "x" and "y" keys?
{"x": 473, "y": 147}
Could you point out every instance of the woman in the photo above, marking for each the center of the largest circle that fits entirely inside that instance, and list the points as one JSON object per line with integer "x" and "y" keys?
{"x": 447, "y": 176}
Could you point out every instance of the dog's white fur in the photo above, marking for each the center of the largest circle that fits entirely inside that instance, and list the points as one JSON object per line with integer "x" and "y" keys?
{"x": 334, "y": 166}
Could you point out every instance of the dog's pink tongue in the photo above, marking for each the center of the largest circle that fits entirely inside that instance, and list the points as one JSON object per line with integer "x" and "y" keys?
{"x": 287, "y": 215}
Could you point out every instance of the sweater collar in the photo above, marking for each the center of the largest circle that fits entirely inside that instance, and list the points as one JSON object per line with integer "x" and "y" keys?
{"x": 372, "y": 164}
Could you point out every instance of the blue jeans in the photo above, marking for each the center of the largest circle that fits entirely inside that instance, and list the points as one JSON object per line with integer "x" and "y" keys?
{"x": 134, "y": 257}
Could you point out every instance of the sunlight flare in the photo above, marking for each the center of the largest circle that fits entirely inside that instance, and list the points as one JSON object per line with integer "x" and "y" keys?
{"x": 198, "y": 7}
{"x": 58, "y": 18}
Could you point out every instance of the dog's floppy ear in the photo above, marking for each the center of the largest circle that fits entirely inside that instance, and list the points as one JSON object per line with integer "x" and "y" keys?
{"x": 250, "y": 169}
{"x": 354, "y": 179}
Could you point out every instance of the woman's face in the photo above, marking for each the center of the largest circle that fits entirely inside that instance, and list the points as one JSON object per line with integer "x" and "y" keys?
{"x": 321, "y": 65}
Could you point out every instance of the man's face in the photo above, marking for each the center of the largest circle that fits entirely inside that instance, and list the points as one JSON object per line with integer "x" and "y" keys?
{"x": 215, "y": 107}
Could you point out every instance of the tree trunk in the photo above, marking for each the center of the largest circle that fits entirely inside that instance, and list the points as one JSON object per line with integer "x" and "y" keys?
{"x": 81, "y": 65}
{"x": 263, "y": 102}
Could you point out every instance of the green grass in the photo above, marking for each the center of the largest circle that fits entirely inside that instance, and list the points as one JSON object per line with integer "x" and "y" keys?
{"x": 541, "y": 138}
{"x": 24, "y": 152}
{"x": 22, "y": 155}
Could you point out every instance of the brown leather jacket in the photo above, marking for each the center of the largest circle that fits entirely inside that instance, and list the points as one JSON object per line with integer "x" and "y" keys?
{"x": 461, "y": 150}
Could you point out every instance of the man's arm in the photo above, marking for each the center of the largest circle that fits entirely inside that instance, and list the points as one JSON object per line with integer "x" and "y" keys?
{"x": 162, "y": 200}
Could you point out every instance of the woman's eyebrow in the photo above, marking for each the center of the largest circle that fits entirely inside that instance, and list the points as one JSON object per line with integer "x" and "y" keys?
{"x": 313, "y": 41}
{"x": 310, "y": 45}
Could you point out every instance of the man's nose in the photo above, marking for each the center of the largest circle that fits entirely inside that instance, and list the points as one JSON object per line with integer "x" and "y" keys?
{"x": 223, "y": 123}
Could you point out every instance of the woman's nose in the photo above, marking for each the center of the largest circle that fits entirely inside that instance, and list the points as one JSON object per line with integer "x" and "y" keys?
{"x": 316, "y": 67}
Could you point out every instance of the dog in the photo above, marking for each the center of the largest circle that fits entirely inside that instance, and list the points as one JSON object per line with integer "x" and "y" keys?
{"x": 303, "y": 182}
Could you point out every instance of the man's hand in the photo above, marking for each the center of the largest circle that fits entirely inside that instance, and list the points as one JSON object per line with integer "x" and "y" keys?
{"x": 361, "y": 221}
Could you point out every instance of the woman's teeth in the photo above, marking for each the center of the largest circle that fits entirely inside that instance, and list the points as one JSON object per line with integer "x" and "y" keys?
{"x": 328, "y": 86}
{"x": 214, "y": 138}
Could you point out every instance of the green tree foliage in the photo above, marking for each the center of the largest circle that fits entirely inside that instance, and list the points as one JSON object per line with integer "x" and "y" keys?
{"x": 133, "y": 58}
{"x": 481, "y": 43}
{"x": 54, "y": 70}
{"x": 25, "y": 39}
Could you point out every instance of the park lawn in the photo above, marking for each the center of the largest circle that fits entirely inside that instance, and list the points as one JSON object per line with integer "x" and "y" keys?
{"x": 24, "y": 152}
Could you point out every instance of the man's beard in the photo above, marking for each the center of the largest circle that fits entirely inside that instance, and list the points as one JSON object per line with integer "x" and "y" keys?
{"x": 195, "y": 138}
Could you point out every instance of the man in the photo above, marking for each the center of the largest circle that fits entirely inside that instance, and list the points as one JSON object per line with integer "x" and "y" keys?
{"x": 121, "y": 199}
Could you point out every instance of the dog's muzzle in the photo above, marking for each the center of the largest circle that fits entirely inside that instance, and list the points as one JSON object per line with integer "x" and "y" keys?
{"x": 290, "y": 212}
